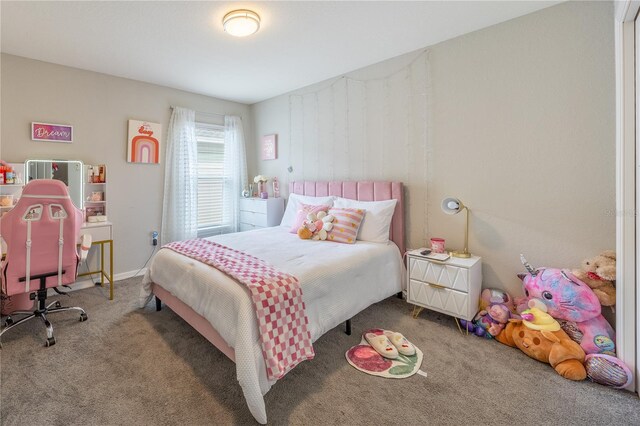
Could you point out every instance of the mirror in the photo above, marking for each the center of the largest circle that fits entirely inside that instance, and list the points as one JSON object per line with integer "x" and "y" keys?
{"x": 69, "y": 172}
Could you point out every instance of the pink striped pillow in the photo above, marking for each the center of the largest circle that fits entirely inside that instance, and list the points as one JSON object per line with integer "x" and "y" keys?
{"x": 303, "y": 211}
{"x": 345, "y": 225}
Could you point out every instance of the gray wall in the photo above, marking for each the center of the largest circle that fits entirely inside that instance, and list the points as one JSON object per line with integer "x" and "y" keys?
{"x": 98, "y": 106}
{"x": 520, "y": 126}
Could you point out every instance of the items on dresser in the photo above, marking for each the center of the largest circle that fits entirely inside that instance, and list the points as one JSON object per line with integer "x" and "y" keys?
{"x": 256, "y": 213}
{"x": 10, "y": 192}
{"x": 97, "y": 218}
{"x": 6, "y": 200}
{"x": 451, "y": 287}
{"x": 97, "y": 174}
{"x": 7, "y": 173}
{"x": 95, "y": 193}
{"x": 437, "y": 245}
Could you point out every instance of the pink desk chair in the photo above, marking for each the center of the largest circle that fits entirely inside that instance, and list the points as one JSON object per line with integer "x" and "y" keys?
{"x": 41, "y": 232}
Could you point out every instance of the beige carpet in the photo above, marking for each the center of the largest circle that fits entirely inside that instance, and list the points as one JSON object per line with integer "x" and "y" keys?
{"x": 128, "y": 366}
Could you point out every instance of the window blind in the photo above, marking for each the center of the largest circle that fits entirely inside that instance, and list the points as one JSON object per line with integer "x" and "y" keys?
{"x": 210, "y": 139}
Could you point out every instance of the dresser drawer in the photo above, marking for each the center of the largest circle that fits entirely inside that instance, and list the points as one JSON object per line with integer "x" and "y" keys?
{"x": 446, "y": 275}
{"x": 255, "y": 205}
{"x": 252, "y": 218}
{"x": 248, "y": 227}
{"x": 441, "y": 299}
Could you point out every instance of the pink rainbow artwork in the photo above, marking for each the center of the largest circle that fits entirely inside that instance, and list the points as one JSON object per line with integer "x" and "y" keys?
{"x": 144, "y": 142}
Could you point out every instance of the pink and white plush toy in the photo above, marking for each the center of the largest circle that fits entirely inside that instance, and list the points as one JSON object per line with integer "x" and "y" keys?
{"x": 563, "y": 296}
{"x": 316, "y": 226}
{"x": 567, "y": 298}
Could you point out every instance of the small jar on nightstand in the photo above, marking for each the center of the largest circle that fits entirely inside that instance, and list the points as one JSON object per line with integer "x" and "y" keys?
{"x": 451, "y": 287}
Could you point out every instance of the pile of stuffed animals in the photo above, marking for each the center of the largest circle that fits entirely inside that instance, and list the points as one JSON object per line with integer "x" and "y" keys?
{"x": 559, "y": 320}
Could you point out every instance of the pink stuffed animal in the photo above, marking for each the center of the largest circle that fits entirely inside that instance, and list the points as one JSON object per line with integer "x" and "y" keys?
{"x": 564, "y": 297}
{"x": 493, "y": 319}
{"x": 567, "y": 298}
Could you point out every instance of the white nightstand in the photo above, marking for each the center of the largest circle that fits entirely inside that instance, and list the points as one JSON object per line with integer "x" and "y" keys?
{"x": 256, "y": 213}
{"x": 452, "y": 287}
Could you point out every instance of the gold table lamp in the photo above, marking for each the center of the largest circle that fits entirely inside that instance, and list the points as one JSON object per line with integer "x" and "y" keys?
{"x": 451, "y": 205}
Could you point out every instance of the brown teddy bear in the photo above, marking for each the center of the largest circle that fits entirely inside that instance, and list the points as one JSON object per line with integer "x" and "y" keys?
{"x": 543, "y": 339}
{"x": 599, "y": 273}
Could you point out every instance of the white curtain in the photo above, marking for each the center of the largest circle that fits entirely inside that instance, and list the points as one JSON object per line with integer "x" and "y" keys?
{"x": 180, "y": 205}
{"x": 235, "y": 170}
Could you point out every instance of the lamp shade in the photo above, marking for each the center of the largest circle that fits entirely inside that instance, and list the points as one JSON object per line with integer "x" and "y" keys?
{"x": 451, "y": 205}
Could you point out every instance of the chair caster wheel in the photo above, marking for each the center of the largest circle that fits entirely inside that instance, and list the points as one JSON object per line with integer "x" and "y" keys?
{"x": 58, "y": 305}
{"x": 9, "y": 322}
{"x": 83, "y": 317}
{"x": 50, "y": 342}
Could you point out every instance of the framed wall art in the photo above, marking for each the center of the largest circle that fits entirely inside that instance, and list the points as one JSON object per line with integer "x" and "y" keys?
{"x": 270, "y": 147}
{"x": 47, "y": 132}
{"x": 144, "y": 142}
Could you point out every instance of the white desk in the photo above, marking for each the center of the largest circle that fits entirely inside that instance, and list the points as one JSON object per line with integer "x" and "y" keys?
{"x": 101, "y": 234}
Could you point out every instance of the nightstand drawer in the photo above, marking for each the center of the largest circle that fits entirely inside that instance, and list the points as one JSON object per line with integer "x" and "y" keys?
{"x": 441, "y": 299}
{"x": 440, "y": 274}
{"x": 255, "y": 205}
{"x": 253, "y": 218}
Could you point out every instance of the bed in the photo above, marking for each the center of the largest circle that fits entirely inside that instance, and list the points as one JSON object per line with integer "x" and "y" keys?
{"x": 338, "y": 281}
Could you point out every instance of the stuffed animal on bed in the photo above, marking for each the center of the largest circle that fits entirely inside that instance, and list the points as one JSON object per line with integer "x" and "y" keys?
{"x": 316, "y": 226}
{"x": 540, "y": 337}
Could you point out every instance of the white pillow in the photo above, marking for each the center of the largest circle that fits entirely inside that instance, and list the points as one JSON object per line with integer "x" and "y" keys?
{"x": 291, "y": 212}
{"x": 377, "y": 218}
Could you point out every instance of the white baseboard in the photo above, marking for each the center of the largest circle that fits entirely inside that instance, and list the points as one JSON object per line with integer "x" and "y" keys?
{"x": 86, "y": 282}
{"x": 129, "y": 274}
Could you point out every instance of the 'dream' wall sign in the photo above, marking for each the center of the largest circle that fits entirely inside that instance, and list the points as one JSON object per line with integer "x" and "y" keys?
{"x": 51, "y": 132}
{"x": 144, "y": 142}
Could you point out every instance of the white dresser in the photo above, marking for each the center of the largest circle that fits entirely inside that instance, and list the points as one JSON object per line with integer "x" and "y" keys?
{"x": 258, "y": 213}
{"x": 452, "y": 287}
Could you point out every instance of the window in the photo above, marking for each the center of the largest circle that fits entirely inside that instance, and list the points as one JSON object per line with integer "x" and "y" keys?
{"x": 210, "y": 139}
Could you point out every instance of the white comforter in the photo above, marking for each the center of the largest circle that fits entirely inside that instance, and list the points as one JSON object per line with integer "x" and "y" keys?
{"x": 337, "y": 280}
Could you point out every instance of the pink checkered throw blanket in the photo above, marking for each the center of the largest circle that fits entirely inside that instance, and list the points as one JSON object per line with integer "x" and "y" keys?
{"x": 277, "y": 298}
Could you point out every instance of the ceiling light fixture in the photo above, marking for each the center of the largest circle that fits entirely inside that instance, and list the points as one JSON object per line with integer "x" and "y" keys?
{"x": 241, "y": 23}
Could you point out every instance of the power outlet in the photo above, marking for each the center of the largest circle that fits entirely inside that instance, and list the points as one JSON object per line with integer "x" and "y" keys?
{"x": 154, "y": 238}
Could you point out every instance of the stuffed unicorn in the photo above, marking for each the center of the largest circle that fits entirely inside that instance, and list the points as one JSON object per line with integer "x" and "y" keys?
{"x": 563, "y": 296}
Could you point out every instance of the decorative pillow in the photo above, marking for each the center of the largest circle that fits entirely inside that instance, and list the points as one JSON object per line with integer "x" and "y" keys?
{"x": 345, "y": 225}
{"x": 291, "y": 212}
{"x": 303, "y": 211}
{"x": 377, "y": 220}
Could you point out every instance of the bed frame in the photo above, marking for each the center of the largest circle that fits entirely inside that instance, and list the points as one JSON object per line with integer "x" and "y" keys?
{"x": 361, "y": 190}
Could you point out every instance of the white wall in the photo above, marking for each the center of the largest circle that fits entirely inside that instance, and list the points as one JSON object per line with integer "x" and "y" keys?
{"x": 98, "y": 106}
{"x": 520, "y": 126}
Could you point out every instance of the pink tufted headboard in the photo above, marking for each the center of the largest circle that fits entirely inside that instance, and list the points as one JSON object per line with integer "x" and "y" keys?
{"x": 363, "y": 191}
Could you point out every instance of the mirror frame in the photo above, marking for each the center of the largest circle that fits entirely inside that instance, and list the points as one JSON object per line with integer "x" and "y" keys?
{"x": 27, "y": 177}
